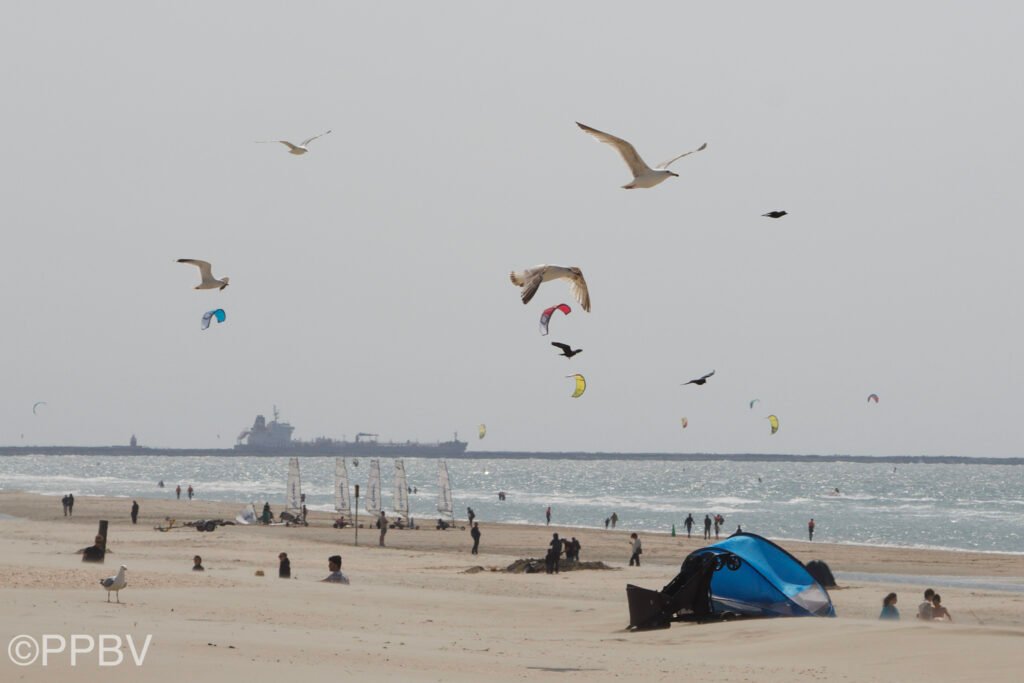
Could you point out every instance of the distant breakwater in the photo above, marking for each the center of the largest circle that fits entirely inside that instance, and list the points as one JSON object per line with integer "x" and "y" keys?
{"x": 515, "y": 455}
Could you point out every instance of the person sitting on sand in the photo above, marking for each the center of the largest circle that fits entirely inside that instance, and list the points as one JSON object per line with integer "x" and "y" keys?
{"x": 924, "y": 610}
{"x": 267, "y": 517}
{"x": 889, "y": 610}
{"x": 940, "y": 613}
{"x": 334, "y": 565}
{"x": 285, "y": 570}
{"x": 339, "y": 523}
{"x": 197, "y": 564}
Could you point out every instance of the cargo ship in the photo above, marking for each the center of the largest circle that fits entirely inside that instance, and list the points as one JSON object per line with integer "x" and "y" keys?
{"x": 275, "y": 438}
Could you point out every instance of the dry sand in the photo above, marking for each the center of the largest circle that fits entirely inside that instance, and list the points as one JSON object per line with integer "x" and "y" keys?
{"x": 412, "y": 613}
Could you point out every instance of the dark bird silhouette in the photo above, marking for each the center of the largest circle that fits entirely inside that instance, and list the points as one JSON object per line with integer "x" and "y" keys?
{"x": 700, "y": 380}
{"x": 566, "y": 349}
{"x": 774, "y": 214}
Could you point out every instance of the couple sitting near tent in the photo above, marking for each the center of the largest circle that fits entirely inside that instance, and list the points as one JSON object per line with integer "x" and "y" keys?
{"x": 931, "y": 609}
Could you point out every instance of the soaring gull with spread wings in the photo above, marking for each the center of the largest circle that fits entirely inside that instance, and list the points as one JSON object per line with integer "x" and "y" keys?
{"x": 206, "y": 273}
{"x": 643, "y": 175}
{"x": 297, "y": 150}
{"x": 531, "y": 279}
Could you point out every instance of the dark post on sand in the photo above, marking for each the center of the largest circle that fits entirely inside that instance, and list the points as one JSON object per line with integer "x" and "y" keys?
{"x": 357, "y": 514}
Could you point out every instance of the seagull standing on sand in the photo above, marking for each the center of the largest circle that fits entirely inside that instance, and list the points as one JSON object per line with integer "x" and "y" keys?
{"x": 297, "y": 150}
{"x": 643, "y": 175}
{"x": 531, "y": 278}
{"x": 115, "y": 583}
{"x": 206, "y": 272}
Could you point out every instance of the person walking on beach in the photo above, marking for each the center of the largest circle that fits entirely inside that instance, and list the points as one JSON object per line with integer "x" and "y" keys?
{"x": 615, "y": 519}
{"x": 284, "y": 571}
{"x": 470, "y": 515}
{"x": 71, "y": 504}
{"x": 688, "y": 524}
{"x": 383, "y": 523}
{"x": 718, "y": 526}
{"x": 547, "y": 514}
{"x": 64, "y": 502}
{"x": 475, "y": 533}
{"x": 135, "y": 512}
{"x": 191, "y": 492}
{"x": 707, "y": 528}
{"x": 637, "y": 550}
{"x": 177, "y": 491}
{"x": 606, "y": 521}
{"x": 810, "y": 530}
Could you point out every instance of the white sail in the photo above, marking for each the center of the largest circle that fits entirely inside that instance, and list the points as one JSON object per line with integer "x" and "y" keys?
{"x": 373, "y": 489}
{"x": 247, "y": 515}
{"x": 293, "y": 496}
{"x": 342, "y": 502}
{"x": 444, "y": 495}
{"x": 400, "y": 503}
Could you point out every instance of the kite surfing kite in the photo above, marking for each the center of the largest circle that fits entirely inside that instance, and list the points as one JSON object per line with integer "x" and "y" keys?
{"x": 581, "y": 385}
{"x": 756, "y": 400}
{"x": 873, "y": 397}
{"x": 685, "y": 423}
{"x": 774, "y": 421}
{"x": 545, "y": 317}
{"x": 218, "y": 312}
{"x": 482, "y": 430}
{"x": 37, "y": 404}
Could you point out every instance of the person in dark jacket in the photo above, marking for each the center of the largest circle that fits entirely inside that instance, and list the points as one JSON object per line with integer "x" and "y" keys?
{"x": 554, "y": 552}
{"x": 135, "y": 512}
{"x": 475, "y": 533}
{"x": 71, "y": 504}
{"x": 285, "y": 570}
{"x": 688, "y": 524}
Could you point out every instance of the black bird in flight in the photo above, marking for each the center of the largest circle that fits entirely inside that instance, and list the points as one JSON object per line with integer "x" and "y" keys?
{"x": 566, "y": 349}
{"x": 699, "y": 381}
{"x": 774, "y": 214}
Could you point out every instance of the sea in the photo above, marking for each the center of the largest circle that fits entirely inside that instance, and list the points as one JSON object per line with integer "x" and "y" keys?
{"x": 958, "y": 507}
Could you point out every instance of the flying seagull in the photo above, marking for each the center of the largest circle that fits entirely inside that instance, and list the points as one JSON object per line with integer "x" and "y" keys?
{"x": 699, "y": 381}
{"x": 297, "y": 150}
{"x": 566, "y": 349}
{"x": 643, "y": 175}
{"x": 115, "y": 583}
{"x": 206, "y": 272}
{"x": 775, "y": 214}
{"x": 531, "y": 278}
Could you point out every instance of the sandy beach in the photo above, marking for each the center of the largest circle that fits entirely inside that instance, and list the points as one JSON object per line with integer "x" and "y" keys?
{"x": 414, "y": 613}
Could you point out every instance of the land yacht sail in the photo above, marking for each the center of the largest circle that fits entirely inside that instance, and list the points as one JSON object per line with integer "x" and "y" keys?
{"x": 342, "y": 502}
{"x": 401, "y": 499}
{"x": 444, "y": 493}
{"x": 293, "y": 496}
{"x": 373, "y": 505}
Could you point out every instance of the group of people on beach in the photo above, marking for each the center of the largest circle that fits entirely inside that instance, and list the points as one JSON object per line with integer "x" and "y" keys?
{"x": 931, "y": 609}
{"x": 68, "y": 502}
{"x": 284, "y": 570}
{"x": 570, "y": 547}
{"x": 177, "y": 491}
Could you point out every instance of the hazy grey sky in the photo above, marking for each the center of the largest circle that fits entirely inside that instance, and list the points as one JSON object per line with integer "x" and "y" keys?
{"x": 369, "y": 278}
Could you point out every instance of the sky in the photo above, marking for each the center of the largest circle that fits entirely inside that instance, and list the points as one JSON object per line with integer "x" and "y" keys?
{"x": 369, "y": 278}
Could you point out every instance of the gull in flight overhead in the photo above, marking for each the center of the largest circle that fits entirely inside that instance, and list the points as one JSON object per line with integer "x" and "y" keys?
{"x": 700, "y": 381}
{"x": 206, "y": 272}
{"x": 531, "y": 278}
{"x": 775, "y": 214}
{"x": 643, "y": 175}
{"x": 567, "y": 350}
{"x": 297, "y": 150}
{"x": 115, "y": 583}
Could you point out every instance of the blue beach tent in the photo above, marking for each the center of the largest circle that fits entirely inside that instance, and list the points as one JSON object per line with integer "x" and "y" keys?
{"x": 744, "y": 575}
